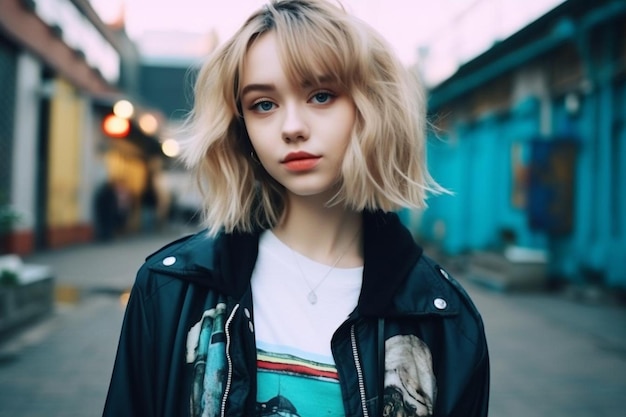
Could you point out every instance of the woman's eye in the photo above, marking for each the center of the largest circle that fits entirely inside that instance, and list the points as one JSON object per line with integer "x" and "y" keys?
{"x": 263, "y": 106}
{"x": 322, "y": 97}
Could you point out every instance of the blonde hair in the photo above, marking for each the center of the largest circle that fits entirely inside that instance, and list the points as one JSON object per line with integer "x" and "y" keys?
{"x": 384, "y": 166}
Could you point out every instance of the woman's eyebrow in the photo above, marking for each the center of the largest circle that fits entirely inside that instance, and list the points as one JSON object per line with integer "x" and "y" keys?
{"x": 324, "y": 79}
{"x": 257, "y": 87}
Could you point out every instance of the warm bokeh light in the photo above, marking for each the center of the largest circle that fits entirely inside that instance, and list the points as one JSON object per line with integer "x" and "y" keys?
{"x": 115, "y": 126}
{"x": 170, "y": 147}
{"x": 124, "y": 298}
{"x": 148, "y": 124}
{"x": 124, "y": 109}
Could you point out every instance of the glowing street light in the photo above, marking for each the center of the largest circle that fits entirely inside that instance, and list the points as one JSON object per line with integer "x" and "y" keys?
{"x": 115, "y": 126}
{"x": 124, "y": 109}
{"x": 148, "y": 124}
{"x": 170, "y": 148}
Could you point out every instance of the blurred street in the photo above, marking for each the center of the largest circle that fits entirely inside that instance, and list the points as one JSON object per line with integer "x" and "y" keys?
{"x": 60, "y": 366}
{"x": 551, "y": 355}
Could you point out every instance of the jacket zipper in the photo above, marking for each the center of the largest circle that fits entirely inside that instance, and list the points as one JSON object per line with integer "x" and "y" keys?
{"x": 229, "y": 361}
{"x": 359, "y": 370}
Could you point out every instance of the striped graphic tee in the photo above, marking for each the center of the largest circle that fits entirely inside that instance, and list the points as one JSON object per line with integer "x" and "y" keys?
{"x": 296, "y": 371}
{"x": 292, "y": 386}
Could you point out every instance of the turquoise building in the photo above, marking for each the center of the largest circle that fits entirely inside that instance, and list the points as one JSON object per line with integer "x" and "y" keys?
{"x": 531, "y": 138}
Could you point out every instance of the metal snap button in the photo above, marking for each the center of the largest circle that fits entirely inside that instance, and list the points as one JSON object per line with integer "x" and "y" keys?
{"x": 169, "y": 261}
{"x": 444, "y": 273}
{"x": 440, "y": 304}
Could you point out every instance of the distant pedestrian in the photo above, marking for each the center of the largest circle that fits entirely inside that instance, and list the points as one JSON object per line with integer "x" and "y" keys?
{"x": 124, "y": 199}
{"x": 105, "y": 211}
{"x": 305, "y": 296}
{"x": 149, "y": 203}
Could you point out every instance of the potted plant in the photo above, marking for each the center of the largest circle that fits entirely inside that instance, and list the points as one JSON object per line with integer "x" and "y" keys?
{"x": 26, "y": 291}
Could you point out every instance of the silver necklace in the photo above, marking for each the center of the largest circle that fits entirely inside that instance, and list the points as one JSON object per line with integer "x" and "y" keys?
{"x": 312, "y": 295}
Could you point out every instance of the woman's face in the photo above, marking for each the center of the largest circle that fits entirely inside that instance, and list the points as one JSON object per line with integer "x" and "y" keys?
{"x": 299, "y": 132}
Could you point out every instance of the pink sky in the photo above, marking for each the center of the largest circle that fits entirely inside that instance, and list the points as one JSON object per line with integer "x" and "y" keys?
{"x": 455, "y": 29}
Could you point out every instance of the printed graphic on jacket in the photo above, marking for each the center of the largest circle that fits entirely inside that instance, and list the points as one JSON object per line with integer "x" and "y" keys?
{"x": 410, "y": 387}
{"x": 290, "y": 386}
{"x": 206, "y": 350}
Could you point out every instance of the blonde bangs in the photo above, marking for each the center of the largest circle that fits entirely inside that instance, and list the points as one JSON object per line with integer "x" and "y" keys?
{"x": 315, "y": 50}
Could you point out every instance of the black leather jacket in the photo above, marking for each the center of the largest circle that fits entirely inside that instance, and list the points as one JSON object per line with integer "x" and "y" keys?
{"x": 415, "y": 340}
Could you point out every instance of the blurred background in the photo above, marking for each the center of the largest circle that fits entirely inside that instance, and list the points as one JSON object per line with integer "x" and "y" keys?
{"x": 527, "y": 112}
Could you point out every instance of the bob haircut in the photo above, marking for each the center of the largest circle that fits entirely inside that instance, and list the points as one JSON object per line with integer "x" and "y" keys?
{"x": 384, "y": 167}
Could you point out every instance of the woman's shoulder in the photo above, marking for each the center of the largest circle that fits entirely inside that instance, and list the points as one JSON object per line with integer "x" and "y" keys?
{"x": 180, "y": 243}
{"x": 219, "y": 262}
{"x": 181, "y": 258}
{"x": 441, "y": 278}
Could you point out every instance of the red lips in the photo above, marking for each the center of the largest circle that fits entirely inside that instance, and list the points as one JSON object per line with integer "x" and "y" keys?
{"x": 301, "y": 161}
{"x": 294, "y": 156}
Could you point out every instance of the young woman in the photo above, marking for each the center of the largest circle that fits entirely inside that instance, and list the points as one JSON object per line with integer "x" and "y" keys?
{"x": 305, "y": 296}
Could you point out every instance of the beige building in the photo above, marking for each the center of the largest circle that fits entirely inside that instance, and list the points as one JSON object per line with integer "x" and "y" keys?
{"x": 61, "y": 71}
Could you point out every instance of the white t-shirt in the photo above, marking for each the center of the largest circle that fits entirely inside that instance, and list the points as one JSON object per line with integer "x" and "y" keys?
{"x": 296, "y": 370}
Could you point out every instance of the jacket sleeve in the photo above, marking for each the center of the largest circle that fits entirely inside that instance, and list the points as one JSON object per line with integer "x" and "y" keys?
{"x": 474, "y": 402}
{"x": 131, "y": 391}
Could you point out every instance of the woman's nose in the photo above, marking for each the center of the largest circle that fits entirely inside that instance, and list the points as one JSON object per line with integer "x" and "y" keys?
{"x": 295, "y": 126}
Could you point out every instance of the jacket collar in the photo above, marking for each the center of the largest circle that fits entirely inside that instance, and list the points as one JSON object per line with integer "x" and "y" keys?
{"x": 397, "y": 278}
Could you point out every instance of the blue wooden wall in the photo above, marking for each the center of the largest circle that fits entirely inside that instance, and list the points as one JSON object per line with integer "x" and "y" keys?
{"x": 478, "y": 162}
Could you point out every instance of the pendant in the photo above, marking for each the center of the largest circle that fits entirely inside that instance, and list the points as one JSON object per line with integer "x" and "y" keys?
{"x": 312, "y": 297}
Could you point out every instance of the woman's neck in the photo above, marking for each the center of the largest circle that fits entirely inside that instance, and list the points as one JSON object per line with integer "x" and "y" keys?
{"x": 322, "y": 233}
